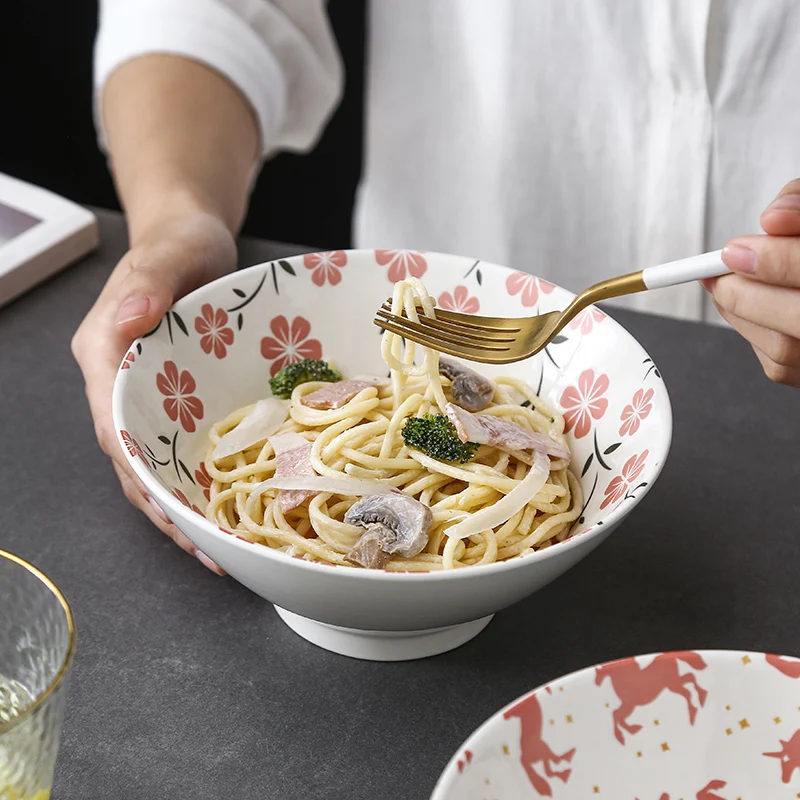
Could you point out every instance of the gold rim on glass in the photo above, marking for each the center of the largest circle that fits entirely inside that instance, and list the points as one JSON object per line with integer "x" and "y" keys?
{"x": 59, "y": 677}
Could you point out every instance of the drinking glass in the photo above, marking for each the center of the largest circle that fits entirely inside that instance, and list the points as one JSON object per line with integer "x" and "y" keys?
{"x": 37, "y": 639}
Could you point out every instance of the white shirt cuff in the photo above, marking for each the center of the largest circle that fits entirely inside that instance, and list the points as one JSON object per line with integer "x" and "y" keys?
{"x": 206, "y": 31}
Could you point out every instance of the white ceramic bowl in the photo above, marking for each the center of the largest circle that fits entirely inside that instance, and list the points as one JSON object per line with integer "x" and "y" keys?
{"x": 215, "y": 350}
{"x": 715, "y": 725}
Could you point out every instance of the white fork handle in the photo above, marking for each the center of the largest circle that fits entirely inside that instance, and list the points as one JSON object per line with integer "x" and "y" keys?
{"x": 707, "y": 265}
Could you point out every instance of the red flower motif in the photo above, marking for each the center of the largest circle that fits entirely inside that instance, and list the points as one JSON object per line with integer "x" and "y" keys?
{"x": 204, "y": 479}
{"x": 180, "y": 401}
{"x": 133, "y": 447}
{"x": 214, "y": 335}
{"x": 529, "y": 286}
{"x": 289, "y": 343}
{"x": 130, "y": 357}
{"x": 401, "y": 263}
{"x": 459, "y": 301}
{"x": 620, "y": 485}
{"x": 586, "y": 319}
{"x": 633, "y": 414}
{"x": 327, "y": 266}
{"x": 584, "y": 401}
{"x": 185, "y": 500}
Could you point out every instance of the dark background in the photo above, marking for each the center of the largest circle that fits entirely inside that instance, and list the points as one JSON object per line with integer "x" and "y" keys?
{"x": 47, "y": 134}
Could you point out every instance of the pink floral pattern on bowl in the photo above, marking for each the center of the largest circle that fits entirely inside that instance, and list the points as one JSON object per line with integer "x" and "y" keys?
{"x": 215, "y": 335}
{"x": 714, "y": 725}
{"x": 248, "y": 326}
{"x": 289, "y": 342}
{"x": 459, "y": 300}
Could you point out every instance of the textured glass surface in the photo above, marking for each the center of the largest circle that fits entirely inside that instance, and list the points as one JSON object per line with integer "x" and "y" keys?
{"x": 34, "y": 644}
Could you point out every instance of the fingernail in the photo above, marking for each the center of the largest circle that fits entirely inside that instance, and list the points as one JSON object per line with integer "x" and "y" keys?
{"x": 157, "y": 508}
{"x": 739, "y": 258}
{"x": 789, "y": 202}
{"x": 207, "y": 562}
{"x": 133, "y": 308}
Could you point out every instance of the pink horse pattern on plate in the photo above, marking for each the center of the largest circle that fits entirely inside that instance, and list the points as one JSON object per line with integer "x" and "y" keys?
{"x": 637, "y": 687}
{"x": 789, "y": 756}
{"x": 534, "y": 749}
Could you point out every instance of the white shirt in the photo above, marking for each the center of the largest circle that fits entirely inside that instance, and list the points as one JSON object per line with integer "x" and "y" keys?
{"x": 574, "y": 139}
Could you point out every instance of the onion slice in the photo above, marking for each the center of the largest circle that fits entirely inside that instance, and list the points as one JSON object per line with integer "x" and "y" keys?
{"x": 255, "y": 428}
{"x": 348, "y": 487}
{"x": 500, "y": 512}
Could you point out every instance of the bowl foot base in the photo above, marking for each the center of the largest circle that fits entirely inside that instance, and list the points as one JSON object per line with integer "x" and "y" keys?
{"x": 383, "y": 645}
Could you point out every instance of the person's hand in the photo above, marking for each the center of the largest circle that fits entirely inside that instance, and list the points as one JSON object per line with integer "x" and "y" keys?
{"x": 762, "y": 300}
{"x": 168, "y": 259}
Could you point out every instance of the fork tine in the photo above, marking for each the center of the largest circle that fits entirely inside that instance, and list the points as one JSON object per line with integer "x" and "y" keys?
{"x": 485, "y": 356}
{"x": 474, "y": 333}
{"x": 451, "y": 337}
{"x": 458, "y": 332}
{"x": 488, "y": 324}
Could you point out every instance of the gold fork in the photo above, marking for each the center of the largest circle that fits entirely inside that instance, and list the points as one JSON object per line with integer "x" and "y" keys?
{"x": 501, "y": 340}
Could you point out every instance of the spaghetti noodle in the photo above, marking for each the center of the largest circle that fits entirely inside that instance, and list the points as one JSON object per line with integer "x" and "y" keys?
{"x": 361, "y": 441}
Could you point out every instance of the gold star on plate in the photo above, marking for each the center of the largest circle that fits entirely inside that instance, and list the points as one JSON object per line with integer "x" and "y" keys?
{"x": 552, "y": 722}
{"x": 608, "y": 705}
{"x": 639, "y": 754}
{"x": 743, "y": 723}
{"x": 560, "y": 688}
{"x": 727, "y": 708}
{"x": 746, "y": 660}
{"x": 487, "y": 782}
{"x": 569, "y": 719}
{"x": 664, "y": 747}
{"x": 506, "y": 750}
{"x": 777, "y": 720}
{"x": 729, "y": 731}
{"x": 597, "y": 790}
{"x": 656, "y": 723}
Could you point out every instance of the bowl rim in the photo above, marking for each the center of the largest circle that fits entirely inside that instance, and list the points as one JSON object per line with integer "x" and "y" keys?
{"x": 450, "y": 771}
{"x": 173, "y": 507}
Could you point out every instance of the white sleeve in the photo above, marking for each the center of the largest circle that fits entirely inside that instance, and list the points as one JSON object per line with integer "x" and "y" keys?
{"x": 280, "y": 54}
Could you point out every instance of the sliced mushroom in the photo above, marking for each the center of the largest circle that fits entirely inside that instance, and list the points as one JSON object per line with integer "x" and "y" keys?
{"x": 396, "y": 524}
{"x": 368, "y": 551}
{"x": 470, "y": 389}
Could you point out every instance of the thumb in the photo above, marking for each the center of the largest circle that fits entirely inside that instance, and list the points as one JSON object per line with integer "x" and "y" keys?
{"x": 782, "y": 216}
{"x": 161, "y": 273}
{"x": 144, "y": 296}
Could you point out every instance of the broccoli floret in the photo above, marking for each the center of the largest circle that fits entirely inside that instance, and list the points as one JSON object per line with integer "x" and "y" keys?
{"x": 436, "y": 436}
{"x": 309, "y": 369}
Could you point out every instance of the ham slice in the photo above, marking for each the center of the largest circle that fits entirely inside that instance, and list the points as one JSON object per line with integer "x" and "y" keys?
{"x": 294, "y": 460}
{"x": 335, "y": 395}
{"x": 500, "y": 433}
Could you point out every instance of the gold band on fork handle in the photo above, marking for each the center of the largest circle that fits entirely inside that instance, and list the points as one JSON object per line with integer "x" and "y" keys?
{"x": 613, "y": 287}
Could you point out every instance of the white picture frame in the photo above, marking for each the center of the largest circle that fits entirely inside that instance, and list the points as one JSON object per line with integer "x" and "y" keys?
{"x": 41, "y": 233}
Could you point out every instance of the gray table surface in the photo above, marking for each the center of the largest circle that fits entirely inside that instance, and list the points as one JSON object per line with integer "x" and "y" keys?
{"x": 186, "y": 685}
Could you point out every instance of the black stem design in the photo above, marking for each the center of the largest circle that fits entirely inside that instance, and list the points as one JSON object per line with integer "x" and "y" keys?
{"x": 155, "y": 330}
{"x": 651, "y": 369}
{"x": 597, "y": 453}
{"x": 547, "y": 353}
{"x": 589, "y": 498}
{"x": 469, "y": 271}
{"x": 175, "y": 455}
{"x": 169, "y": 328}
{"x": 152, "y": 456}
{"x": 250, "y": 299}
{"x": 274, "y": 277}
{"x": 629, "y": 495}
